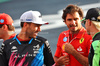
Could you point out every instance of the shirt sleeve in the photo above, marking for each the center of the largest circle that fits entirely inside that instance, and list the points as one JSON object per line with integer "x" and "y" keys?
{"x": 48, "y": 58}
{"x": 58, "y": 49}
{"x": 3, "y": 59}
{"x": 91, "y": 54}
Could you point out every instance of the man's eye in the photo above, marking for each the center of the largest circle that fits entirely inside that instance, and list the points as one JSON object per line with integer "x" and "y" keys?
{"x": 75, "y": 19}
{"x": 69, "y": 19}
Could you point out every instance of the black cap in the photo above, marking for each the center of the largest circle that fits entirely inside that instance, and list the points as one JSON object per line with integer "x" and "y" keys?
{"x": 93, "y": 14}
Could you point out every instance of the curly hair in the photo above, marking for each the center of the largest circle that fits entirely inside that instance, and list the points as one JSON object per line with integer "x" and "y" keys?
{"x": 70, "y": 9}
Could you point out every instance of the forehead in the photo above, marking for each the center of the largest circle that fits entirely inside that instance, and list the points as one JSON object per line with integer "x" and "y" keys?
{"x": 74, "y": 15}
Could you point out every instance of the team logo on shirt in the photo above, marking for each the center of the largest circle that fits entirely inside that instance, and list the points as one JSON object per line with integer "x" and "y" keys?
{"x": 36, "y": 49}
{"x": 81, "y": 40}
{"x": 79, "y": 49}
{"x": 14, "y": 49}
{"x": 65, "y": 39}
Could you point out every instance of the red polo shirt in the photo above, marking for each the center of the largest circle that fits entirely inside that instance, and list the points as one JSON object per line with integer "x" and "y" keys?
{"x": 81, "y": 42}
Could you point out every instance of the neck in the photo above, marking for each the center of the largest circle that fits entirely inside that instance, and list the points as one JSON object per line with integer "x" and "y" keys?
{"x": 93, "y": 31}
{"x": 74, "y": 32}
{"x": 6, "y": 36}
{"x": 11, "y": 32}
{"x": 22, "y": 35}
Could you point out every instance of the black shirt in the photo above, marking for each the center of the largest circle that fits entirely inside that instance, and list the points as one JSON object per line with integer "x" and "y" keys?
{"x": 35, "y": 52}
{"x": 92, "y": 49}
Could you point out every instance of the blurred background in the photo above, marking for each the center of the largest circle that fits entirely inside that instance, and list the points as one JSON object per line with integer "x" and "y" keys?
{"x": 51, "y": 11}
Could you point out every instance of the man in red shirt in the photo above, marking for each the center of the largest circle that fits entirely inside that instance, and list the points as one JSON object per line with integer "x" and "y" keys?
{"x": 75, "y": 40}
{"x": 6, "y": 27}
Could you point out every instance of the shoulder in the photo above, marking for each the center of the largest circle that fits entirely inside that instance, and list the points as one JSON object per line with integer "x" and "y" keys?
{"x": 41, "y": 38}
{"x": 87, "y": 36}
{"x": 7, "y": 44}
{"x": 88, "y": 39}
{"x": 64, "y": 32}
{"x": 96, "y": 36}
{"x": 8, "y": 41}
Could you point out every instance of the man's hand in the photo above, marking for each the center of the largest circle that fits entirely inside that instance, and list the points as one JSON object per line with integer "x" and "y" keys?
{"x": 63, "y": 60}
{"x": 69, "y": 48}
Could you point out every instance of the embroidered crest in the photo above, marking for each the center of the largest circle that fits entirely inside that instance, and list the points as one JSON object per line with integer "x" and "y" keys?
{"x": 81, "y": 40}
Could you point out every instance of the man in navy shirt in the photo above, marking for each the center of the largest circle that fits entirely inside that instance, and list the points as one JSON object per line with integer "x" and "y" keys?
{"x": 26, "y": 48}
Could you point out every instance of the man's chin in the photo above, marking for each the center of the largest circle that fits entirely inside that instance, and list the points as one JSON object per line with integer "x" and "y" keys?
{"x": 74, "y": 30}
{"x": 32, "y": 36}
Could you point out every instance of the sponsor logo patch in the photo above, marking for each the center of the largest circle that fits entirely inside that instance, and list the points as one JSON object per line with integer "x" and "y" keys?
{"x": 65, "y": 39}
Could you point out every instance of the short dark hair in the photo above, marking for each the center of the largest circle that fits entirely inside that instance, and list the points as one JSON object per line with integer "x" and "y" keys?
{"x": 70, "y": 9}
{"x": 1, "y": 25}
{"x": 22, "y": 23}
{"x": 10, "y": 27}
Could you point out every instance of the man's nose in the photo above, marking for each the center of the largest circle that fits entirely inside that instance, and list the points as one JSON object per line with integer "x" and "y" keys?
{"x": 39, "y": 28}
{"x": 73, "y": 22}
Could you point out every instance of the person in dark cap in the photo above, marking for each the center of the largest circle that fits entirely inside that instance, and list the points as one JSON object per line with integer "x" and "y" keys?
{"x": 7, "y": 30}
{"x": 27, "y": 48}
{"x": 92, "y": 24}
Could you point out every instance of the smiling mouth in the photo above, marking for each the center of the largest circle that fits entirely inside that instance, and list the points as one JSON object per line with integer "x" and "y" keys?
{"x": 36, "y": 33}
{"x": 72, "y": 26}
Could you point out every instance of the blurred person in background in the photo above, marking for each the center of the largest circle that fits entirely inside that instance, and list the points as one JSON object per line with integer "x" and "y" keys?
{"x": 7, "y": 30}
{"x": 26, "y": 48}
{"x": 92, "y": 24}
{"x": 76, "y": 38}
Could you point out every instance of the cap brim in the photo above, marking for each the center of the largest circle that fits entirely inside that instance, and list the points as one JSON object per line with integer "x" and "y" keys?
{"x": 42, "y": 22}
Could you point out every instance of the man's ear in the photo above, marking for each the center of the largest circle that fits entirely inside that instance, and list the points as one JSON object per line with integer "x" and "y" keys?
{"x": 5, "y": 27}
{"x": 89, "y": 22}
{"x": 25, "y": 24}
{"x": 64, "y": 21}
{"x": 81, "y": 18}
